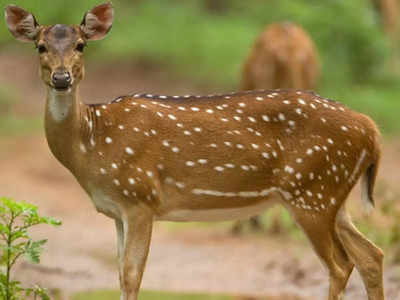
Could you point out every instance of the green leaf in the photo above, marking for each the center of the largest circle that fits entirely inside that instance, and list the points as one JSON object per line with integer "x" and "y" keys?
{"x": 3, "y": 228}
{"x": 37, "y": 291}
{"x": 33, "y": 250}
{"x": 53, "y": 222}
{"x": 19, "y": 233}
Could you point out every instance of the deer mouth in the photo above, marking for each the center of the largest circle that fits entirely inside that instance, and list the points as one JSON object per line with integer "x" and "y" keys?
{"x": 63, "y": 89}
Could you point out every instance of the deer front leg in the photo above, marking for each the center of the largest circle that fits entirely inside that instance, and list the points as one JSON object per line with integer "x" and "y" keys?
{"x": 120, "y": 245}
{"x": 134, "y": 240}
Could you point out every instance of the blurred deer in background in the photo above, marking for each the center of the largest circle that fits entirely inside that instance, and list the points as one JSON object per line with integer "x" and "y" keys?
{"x": 217, "y": 6}
{"x": 388, "y": 12}
{"x": 142, "y": 158}
{"x": 283, "y": 56}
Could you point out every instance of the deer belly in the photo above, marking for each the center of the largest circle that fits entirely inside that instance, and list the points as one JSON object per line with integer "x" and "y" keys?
{"x": 104, "y": 204}
{"x": 215, "y": 214}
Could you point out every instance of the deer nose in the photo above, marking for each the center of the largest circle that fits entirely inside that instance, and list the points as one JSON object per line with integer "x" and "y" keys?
{"x": 61, "y": 79}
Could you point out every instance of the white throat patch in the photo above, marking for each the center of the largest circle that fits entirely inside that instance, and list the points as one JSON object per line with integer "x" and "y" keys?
{"x": 59, "y": 104}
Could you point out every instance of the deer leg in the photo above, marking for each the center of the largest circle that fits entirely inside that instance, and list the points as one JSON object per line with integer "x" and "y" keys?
{"x": 237, "y": 227}
{"x": 120, "y": 246}
{"x": 367, "y": 257}
{"x": 137, "y": 228}
{"x": 328, "y": 247}
{"x": 256, "y": 224}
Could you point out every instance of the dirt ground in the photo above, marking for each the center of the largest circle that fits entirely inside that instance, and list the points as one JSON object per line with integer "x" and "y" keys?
{"x": 81, "y": 254}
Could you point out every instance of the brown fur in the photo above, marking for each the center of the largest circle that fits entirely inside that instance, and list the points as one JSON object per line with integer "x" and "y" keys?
{"x": 283, "y": 56}
{"x": 143, "y": 158}
{"x": 388, "y": 11}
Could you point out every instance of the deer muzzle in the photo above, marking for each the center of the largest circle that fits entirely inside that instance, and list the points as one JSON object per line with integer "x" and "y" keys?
{"x": 61, "y": 80}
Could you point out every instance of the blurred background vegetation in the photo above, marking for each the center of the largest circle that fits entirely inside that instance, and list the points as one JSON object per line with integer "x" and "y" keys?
{"x": 207, "y": 41}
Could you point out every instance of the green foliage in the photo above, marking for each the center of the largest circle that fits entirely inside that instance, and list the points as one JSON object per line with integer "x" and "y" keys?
{"x": 148, "y": 295}
{"x": 351, "y": 44}
{"x": 12, "y": 125}
{"x": 195, "y": 41}
{"x": 16, "y": 218}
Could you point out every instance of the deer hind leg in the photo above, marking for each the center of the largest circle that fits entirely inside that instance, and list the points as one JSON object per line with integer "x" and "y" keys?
{"x": 320, "y": 230}
{"x": 367, "y": 257}
{"x": 254, "y": 222}
{"x": 120, "y": 243}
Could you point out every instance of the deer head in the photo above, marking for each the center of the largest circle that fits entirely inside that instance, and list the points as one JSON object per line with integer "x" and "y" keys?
{"x": 60, "y": 47}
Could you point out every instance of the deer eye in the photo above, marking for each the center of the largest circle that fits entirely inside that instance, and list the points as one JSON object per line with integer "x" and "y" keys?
{"x": 41, "y": 49}
{"x": 80, "y": 47}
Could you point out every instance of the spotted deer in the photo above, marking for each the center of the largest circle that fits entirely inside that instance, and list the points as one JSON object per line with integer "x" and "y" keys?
{"x": 283, "y": 56}
{"x": 144, "y": 157}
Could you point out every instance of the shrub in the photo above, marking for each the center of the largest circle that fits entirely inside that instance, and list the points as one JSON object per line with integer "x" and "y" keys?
{"x": 15, "y": 242}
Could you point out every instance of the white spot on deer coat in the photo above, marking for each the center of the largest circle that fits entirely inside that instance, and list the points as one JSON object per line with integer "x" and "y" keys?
{"x": 129, "y": 151}
{"x": 289, "y": 169}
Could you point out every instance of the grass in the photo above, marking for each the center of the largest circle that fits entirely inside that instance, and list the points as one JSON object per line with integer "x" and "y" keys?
{"x": 12, "y": 125}
{"x": 147, "y": 295}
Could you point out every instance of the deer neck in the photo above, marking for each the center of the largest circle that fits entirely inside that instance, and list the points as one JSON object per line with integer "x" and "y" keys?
{"x": 62, "y": 124}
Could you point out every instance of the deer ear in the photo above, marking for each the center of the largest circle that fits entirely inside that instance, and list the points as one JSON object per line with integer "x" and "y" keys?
{"x": 97, "y": 22}
{"x": 21, "y": 23}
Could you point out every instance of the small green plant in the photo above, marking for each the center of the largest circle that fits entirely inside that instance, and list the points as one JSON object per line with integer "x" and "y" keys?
{"x": 15, "y": 242}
